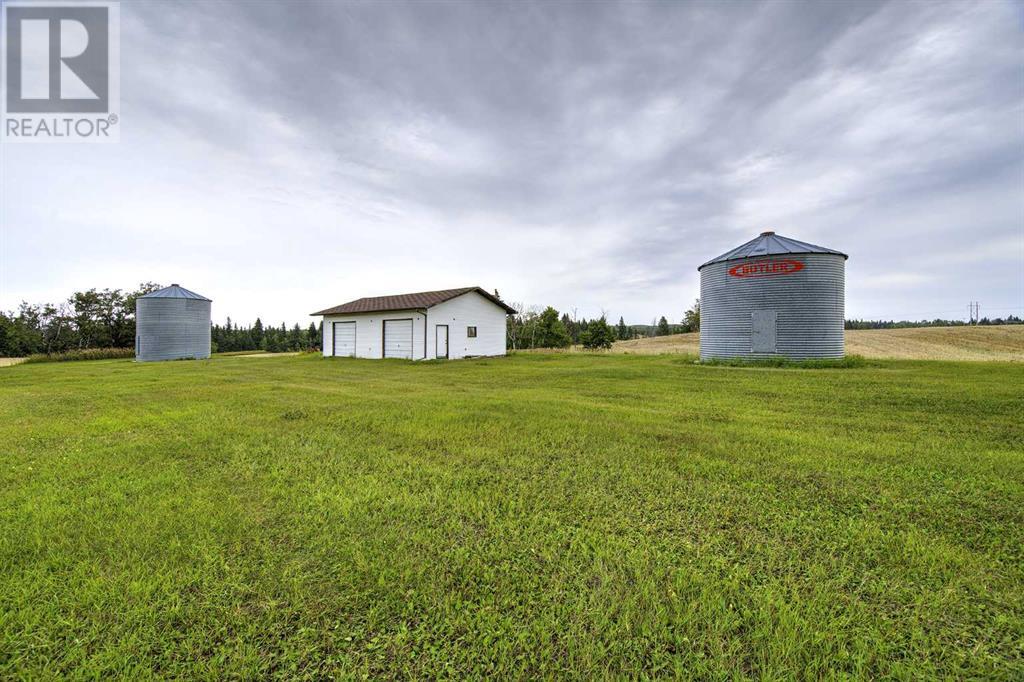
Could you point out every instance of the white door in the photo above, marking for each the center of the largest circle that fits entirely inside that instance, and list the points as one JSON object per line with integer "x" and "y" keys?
{"x": 441, "y": 341}
{"x": 345, "y": 339}
{"x": 398, "y": 339}
{"x": 762, "y": 331}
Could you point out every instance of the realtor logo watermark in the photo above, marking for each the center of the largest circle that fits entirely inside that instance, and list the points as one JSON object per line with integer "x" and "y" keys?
{"x": 61, "y": 67}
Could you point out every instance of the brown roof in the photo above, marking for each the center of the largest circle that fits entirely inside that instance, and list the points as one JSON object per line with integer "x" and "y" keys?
{"x": 421, "y": 300}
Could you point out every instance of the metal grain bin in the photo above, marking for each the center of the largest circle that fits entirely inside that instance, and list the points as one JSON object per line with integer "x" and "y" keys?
{"x": 171, "y": 324}
{"x": 773, "y": 297}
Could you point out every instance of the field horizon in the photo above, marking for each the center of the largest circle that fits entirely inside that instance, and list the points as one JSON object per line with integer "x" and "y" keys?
{"x": 566, "y": 515}
{"x": 982, "y": 342}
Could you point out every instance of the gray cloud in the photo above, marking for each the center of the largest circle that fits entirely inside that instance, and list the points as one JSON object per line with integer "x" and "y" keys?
{"x": 280, "y": 157}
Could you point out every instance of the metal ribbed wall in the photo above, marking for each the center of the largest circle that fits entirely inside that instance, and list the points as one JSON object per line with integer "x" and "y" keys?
{"x": 809, "y": 305}
{"x": 171, "y": 329}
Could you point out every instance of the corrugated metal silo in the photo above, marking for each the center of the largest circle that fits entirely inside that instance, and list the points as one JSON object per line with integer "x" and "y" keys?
{"x": 171, "y": 324}
{"x": 773, "y": 297}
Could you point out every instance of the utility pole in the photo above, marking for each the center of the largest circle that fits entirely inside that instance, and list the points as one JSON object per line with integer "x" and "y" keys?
{"x": 974, "y": 312}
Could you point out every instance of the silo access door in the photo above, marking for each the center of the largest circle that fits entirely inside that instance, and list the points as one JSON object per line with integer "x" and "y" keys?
{"x": 762, "y": 331}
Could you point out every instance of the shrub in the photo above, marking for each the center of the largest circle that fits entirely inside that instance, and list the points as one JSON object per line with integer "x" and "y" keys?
{"x": 83, "y": 354}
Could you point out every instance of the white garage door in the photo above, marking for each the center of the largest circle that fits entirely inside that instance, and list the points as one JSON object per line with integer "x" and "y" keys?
{"x": 345, "y": 339}
{"x": 398, "y": 339}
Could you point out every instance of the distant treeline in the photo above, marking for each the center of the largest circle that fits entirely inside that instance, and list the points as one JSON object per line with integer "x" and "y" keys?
{"x": 106, "y": 319}
{"x": 537, "y": 327}
{"x": 232, "y": 337}
{"x": 906, "y": 324}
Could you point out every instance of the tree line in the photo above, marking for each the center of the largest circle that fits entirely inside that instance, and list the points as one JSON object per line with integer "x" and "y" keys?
{"x": 87, "y": 319}
{"x": 536, "y": 327}
{"x": 906, "y": 324}
{"x": 232, "y": 337}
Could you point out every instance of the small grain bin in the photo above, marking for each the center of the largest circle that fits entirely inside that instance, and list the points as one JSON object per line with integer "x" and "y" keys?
{"x": 773, "y": 297}
{"x": 171, "y": 324}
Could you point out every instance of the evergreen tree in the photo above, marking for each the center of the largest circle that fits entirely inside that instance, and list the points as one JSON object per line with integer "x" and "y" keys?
{"x": 621, "y": 330}
{"x": 272, "y": 341}
{"x": 257, "y": 332}
{"x": 598, "y": 335}
{"x": 570, "y": 327}
{"x": 663, "y": 328}
{"x": 551, "y": 331}
{"x": 224, "y": 344}
{"x": 295, "y": 338}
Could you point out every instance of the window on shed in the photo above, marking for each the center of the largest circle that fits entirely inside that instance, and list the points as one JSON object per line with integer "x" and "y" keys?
{"x": 471, "y": 332}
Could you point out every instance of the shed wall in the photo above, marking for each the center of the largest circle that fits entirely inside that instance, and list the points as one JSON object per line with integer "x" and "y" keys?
{"x": 464, "y": 311}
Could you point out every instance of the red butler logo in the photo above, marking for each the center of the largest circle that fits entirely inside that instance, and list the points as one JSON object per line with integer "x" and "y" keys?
{"x": 766, "y": 268}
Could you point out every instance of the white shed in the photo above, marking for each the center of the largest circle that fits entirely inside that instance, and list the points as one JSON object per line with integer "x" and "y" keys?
{"x": 453, "y": 323}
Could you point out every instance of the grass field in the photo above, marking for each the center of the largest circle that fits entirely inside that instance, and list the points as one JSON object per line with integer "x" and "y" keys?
{"x": 572, "y": 516}
{"x": 1005, "y": 343}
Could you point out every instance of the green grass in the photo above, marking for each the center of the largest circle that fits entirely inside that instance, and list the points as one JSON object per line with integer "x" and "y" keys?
{"x": 232, "y": 353}
{"x": 846, "y": 362}
{"x": 571, "y": 516}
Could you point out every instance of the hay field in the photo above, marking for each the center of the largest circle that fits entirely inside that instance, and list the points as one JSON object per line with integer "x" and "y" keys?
{"x": 1004, "y": 343}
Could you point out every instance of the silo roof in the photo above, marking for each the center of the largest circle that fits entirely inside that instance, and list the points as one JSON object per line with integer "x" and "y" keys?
{"x": 174, "y": 291}
{"x": 771, "y": 244}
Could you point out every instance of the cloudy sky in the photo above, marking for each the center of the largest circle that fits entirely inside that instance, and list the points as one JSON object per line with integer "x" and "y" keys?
{"x": 283, "y": 157}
